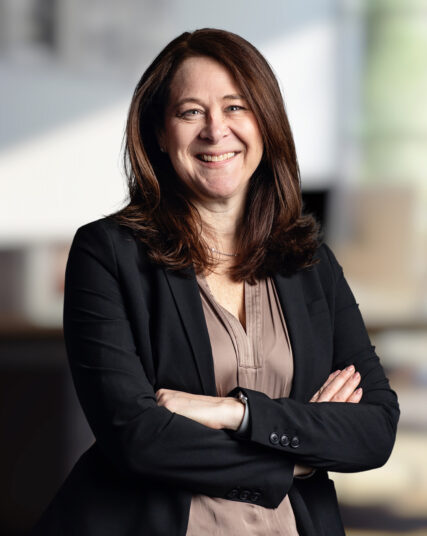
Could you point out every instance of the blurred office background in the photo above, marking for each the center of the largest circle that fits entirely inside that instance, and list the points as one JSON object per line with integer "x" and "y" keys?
{"x": 354, "y": 80}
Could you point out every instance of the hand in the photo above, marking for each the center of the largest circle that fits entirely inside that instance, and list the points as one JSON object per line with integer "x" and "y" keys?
{"x": 341, "y": 386}
{"x": 212, "y": 411}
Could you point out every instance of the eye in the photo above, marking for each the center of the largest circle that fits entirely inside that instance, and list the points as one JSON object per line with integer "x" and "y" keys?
{"x": 235, "y": 108}
{"x": 190, "y": 114}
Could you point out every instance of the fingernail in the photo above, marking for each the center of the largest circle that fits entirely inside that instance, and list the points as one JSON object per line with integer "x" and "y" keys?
{"x": 350, "y": 368}
{"x": 356, "y": 375}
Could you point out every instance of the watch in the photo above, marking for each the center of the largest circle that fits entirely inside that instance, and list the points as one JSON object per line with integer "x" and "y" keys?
{"x": 243, "y": 428}
{"x": 243, "y": 398}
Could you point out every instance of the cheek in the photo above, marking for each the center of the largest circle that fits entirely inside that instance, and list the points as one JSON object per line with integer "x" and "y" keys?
{"x": 258, "y": 138}
{"x": 253, "y": 138}
{"x": 257, "y": 146}
{"x": 179, "y": 138}
{"x": 180, "y": 153}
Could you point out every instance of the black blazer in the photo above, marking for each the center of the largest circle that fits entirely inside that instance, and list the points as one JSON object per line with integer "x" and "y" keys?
{"x": 132, "y": 327}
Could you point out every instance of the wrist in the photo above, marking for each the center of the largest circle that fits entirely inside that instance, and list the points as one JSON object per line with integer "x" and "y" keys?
{"x": 234, "y": 412}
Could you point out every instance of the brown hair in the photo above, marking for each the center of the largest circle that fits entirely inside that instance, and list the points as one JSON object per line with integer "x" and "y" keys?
{"x": 274, "y": 235}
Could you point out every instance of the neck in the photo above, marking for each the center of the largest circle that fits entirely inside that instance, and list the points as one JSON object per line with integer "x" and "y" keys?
{"x": 220, "y": 223}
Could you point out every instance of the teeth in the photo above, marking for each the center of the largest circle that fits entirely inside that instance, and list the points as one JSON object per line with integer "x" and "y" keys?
{"x": 209, "y": 158}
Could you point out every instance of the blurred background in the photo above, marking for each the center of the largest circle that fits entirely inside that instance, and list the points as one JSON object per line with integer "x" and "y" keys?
{"x": 354, "y": 80}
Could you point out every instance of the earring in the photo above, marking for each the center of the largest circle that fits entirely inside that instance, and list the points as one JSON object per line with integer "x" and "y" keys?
{"x": 162, "y": 149}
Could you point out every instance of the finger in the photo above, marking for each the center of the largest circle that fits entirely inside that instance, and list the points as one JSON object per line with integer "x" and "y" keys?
{"x": 331, "y": 377}
{"x": 347, "y": 389}
{"x": 335, "y": 385}
{"x": 332, "y": 386}
{"x": 356, "y": 397}
{"x": 327, "y": 382}
{"x": 163, "y": 395}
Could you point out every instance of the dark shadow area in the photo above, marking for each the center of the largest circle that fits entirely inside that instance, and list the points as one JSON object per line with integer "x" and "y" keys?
{"x": 42, "y": 428}
{"x": 316, "y": 202}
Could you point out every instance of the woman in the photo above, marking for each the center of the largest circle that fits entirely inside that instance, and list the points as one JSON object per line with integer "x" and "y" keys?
{"x": 216, "y": 349}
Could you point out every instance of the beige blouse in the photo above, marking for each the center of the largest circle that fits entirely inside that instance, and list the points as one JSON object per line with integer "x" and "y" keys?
{"x": 259, "y": 358}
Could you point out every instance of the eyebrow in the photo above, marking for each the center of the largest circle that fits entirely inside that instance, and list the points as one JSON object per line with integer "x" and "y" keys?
{"x": 198, "y": 101}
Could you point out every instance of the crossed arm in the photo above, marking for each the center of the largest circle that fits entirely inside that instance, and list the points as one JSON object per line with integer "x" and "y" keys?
{"x": 227, "y": 412}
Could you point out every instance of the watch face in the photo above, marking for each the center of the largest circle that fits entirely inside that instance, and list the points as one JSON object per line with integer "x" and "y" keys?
{"x": 242, "y": 398}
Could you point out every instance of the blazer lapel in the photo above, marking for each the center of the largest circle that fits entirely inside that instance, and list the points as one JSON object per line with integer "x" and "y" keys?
{"x": 187, "y": 300}
{"x": 292, "y": 300}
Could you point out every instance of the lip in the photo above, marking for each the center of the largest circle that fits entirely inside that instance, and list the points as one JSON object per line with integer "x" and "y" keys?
{"x": 220, "y": 163}
{"x": 218, "y": 153}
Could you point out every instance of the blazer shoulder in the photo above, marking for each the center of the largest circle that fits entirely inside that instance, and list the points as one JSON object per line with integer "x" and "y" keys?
{"x": 106, "y": 232}
{"x": 107, "y": 238}
{"x": 104, "y": 226}
{"x": 327, "y": 267}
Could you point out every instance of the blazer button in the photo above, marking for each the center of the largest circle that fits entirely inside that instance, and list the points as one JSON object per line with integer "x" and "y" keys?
{"x": 244, "y": 495}
{"x": 274, "y": 438}
{"x": 255, "y": 496}
{"x": 232, "y": 494}
{"x": 295, "y": 442}
{"x": 284, "y": 440}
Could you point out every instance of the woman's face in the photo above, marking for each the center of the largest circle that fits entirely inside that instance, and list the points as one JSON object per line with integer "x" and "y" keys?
{"x": 211, "y": 136}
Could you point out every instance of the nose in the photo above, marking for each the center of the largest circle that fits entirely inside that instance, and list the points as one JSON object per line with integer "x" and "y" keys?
{"x": 215, "y": 128}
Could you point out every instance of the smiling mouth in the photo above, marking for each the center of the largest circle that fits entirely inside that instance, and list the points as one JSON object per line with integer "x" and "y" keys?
{"x": 215, "y": 158}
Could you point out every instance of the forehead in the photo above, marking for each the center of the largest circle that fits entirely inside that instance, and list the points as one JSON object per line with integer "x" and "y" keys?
{"x": 200, "y": 76}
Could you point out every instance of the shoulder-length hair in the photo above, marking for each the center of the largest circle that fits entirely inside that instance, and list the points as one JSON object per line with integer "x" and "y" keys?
{"x": 273, "y": 235}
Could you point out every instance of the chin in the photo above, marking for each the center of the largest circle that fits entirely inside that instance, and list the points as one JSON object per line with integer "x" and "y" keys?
{"x": 223, "y": 193}
{"x": 227, "y": 190}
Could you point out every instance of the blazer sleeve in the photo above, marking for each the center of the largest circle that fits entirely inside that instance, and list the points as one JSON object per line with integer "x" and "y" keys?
{"x": 140, "y": 438}
{"x": 341, "y": 437}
